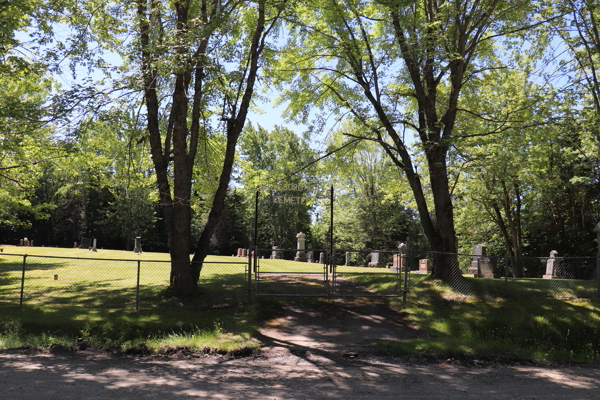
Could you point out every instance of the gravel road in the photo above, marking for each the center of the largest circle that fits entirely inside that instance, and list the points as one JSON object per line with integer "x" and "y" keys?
{"x": 311, "y": 350}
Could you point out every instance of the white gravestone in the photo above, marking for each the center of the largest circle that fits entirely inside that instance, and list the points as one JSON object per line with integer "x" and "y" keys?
{"x": 301, "y": 254}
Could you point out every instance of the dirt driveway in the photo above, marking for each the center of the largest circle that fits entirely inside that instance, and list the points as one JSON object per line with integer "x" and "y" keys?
{"x": 312, "y": 350}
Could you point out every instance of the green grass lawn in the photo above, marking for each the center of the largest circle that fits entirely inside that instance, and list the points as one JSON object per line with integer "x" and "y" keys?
{"x": 72, "y": 298}
{"x": 75, "y": 298}
{"x": 472, "y": 319}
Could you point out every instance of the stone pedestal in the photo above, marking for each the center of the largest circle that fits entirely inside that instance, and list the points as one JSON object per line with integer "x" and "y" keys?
{"x": 398, "y": 262}
{"x": 301, "y": 254}
{"x": 552, "y": 266}
{"x": 424, "y": 266}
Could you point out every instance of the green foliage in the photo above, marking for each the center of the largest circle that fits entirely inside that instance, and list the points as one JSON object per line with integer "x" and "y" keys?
{"x": 271, "y": 163}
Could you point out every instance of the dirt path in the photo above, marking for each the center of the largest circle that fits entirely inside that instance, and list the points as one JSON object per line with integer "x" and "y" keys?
{"x": 314, "y": 349}
{"x": 336, "y": 325}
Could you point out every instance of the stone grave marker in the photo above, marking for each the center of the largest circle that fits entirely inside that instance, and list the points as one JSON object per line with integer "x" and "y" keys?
{"x": 552, "y": 266}
{"x": 375, "y": 260}
{"x": 481, "y": 266}
{"x": 137, "y": 247}
{"x": 321, "y": 258}
{"x": 399, "y": 260}
{"x": 94, "y": 248}
{"x": 86, "y": 243}
{"x": 300, "y": 254}
{"x": 310, "y": 256}
{"x": 424, "y": 266}
{"x": 275, "y": 253}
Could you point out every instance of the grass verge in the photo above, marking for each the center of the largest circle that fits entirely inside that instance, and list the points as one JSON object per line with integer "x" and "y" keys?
{"x": 455, "y": 325}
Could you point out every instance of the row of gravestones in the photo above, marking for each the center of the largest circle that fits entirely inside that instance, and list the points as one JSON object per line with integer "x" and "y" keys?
{"x": 86, "y": 243}
{"x": 90, "y": 244}
{"x": 26, "y": 242}
{"x": 482, "y": 266}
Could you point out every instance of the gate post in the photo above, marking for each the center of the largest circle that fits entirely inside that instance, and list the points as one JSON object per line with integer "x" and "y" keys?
{"x": 137, "y": 287}
{"x": 251, "y": 255}
{"x": 23, "y": 280}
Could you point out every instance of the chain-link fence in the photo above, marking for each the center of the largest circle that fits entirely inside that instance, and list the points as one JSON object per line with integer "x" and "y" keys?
{"x": 367, "y": 273}
{"x": 110, "y": 283}
{"x": 488, "y": 277}
{"x": 284, "y": 272}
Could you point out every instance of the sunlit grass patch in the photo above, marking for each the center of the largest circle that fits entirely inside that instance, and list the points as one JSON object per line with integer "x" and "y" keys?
{"x": 67, "y": 300}
{"x": 489, "y": 325}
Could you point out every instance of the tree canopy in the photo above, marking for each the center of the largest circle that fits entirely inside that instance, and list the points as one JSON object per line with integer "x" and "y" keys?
{"x": 450, "y": 122}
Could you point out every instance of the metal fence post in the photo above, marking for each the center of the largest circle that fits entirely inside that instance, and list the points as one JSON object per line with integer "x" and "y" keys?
{"x": 252, "y": 254}
{"x": 23, "y": 280}
{"x": 137, "y": 290}
{"x": 598, "y": 275}
{"x": 506, "y": 262}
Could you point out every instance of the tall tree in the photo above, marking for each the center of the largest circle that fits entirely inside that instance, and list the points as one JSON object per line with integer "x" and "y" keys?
{"x": 396, "y": 65}
{"x": 199, "y": 39}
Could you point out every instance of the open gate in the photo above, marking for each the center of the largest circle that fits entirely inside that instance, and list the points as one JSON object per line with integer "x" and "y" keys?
{"x": 321, "y": 273}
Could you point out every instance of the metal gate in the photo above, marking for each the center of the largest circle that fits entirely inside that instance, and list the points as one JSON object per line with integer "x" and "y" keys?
{"x": 281, "y": 272}
{"x": 322, "y": 273}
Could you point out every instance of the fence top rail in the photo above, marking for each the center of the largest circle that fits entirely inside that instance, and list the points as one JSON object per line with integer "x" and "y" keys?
{"x": 305, "y": 250}
{"x": 123, "y": 259}
{"x": 519, "y": 257}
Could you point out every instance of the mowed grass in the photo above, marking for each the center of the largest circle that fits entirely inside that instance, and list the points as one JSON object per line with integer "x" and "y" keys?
{"x": 73, "y": 298}
{"x": 471, "y": 319}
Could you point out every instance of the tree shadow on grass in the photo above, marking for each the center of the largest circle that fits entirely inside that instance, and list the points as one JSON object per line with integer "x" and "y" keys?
{"x": 543, "y": 327}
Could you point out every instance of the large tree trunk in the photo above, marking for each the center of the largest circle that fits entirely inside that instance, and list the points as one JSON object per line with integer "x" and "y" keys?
{"x": 174, "y": 149}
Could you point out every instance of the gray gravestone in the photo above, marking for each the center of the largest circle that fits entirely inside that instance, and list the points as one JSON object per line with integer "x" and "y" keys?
{"x": 86, "y": 243}
{"x": 275, "y": 254}
{"x": 137, "y": 247}
{"x": 74, "y": 245}
{"x": 552, "y": 266}
{"x": 481, "y": 266}
{"x": 94, "y": 248}
{"x": 300, "y": 254}
{"x": 322, "y": 258}
{"x": 375, "y": 260}
{"x": 310, "y": 255}
{"x": 347, "y": 259}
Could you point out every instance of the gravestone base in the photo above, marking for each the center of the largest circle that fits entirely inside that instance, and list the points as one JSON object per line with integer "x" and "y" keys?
{"x": 375, "y": 265}
{"x": 301, "y": 257}
{"x": 551, "y": 277}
